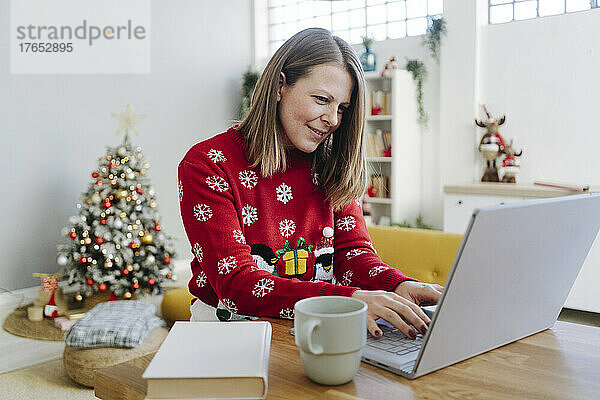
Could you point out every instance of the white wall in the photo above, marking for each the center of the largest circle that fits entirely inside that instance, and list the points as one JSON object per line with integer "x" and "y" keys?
{"x": 544, "y": 74}
{"x": 54, "y": 127}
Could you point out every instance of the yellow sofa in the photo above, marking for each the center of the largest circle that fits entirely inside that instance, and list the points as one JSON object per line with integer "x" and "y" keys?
{"x": 426, "y": 255}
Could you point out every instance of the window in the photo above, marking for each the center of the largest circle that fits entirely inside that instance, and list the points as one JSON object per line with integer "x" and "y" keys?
{"x": 351, "y": 19}
{"x": 514, "y": 10}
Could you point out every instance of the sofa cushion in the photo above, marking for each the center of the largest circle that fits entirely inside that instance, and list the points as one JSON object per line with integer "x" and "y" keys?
{"x": 175, "y": 305}
{"x": 423, "y": 254}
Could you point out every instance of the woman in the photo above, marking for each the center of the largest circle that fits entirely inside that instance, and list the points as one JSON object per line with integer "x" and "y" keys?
{"x": 271, "y": 206}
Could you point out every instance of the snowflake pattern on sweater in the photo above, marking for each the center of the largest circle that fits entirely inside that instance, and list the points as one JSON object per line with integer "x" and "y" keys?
{"x": 246, "y": 232}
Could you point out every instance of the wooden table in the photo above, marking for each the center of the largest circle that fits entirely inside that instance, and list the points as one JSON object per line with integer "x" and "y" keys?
{"x": 560, "y": 363}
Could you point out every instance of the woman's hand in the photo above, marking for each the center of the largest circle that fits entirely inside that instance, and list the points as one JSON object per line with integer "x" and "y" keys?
{"x": 399, "y": 311}
{"x": 423, "y": 294}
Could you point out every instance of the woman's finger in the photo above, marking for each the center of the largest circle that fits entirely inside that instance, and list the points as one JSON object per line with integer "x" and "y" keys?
{"x": 393, "y": 317}
{"x": 373, "y": 328}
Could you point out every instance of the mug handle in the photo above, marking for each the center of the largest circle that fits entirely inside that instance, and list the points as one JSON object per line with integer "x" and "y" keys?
{"x": 305, "y": 338}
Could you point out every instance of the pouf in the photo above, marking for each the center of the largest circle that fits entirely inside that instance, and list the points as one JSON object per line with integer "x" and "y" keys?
{"x": 175, "y": 305}
{"x": 81, "y": 363}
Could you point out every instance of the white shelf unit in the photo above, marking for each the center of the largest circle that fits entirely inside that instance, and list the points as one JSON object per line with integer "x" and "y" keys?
{"x": 404, "y": 166}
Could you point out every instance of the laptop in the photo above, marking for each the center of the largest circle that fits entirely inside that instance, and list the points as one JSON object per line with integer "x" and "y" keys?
{"x": 511, "y": 276}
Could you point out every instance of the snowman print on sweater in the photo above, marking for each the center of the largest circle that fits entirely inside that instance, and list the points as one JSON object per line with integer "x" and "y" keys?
{"x": 324, "y": 257}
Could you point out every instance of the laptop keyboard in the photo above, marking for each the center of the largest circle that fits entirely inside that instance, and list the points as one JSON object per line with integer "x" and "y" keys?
{"x": 393, "y": 341}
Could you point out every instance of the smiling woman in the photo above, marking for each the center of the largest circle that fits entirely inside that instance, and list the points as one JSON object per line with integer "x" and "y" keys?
{"x": 271, "y": 207}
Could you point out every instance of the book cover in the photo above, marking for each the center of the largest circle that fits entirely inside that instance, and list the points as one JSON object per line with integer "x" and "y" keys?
{"x": 211, "y": 360}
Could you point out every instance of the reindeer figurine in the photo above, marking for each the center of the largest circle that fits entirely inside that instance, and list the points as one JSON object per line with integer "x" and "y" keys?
{"x": 491, "y": 146}
{"x": 510, "y": 164}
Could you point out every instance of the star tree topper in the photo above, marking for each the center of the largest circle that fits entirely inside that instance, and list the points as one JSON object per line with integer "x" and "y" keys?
{"x": 128, "y": 122}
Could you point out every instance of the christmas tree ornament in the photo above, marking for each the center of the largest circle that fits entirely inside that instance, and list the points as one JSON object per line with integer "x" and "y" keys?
{"x": 87, "y": 241}
{"x": 61, "y": 260}
{"x": 147, "y": 239}
{"x": 108, "y": 264}
{"x": 102, "y": 286}
{"x": 103, "y": 221}
{"x": 94, "y": 174}
{"x": 157, "y": 227}
{"x": 112, "y": 297}
{"x": 78, "y": 297}
{"x": 128, "y": 121}
{"x": 89, "y": 281}
{"x": 127, "y": 295}
{"x": 166, "y": 259}
{"x": 72, "y": 235}
{"x": 99, "y": 240}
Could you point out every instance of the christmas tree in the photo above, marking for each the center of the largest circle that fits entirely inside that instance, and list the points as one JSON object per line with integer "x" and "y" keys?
{"x": 116, "y": 243}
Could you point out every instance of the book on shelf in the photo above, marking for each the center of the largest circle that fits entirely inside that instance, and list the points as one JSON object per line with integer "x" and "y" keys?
{"x": 380, "y": 186}
{"x": 379, "y": 102}
{"x": 378, "y": 142}
{"x": 202, "y": 360}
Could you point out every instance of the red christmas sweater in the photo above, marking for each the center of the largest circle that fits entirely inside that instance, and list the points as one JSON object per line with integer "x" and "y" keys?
{"x": 261, "y": 244}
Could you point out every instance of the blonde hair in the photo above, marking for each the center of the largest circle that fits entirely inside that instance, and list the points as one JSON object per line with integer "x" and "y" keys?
{"x": 339, "y": 161}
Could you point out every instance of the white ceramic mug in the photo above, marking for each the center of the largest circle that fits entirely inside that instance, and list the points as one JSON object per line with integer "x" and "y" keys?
{"x": 331, "y": 332}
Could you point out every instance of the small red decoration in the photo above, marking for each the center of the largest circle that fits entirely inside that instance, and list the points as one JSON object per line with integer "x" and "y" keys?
{"x": 106, "y": 204}
{"x": 72, "y": 235}
{"x": 112, "y": 297}
{"x": 135, "y": 285}
{"x": 51, "y": 310}
{"x": 94, "y": 174}
{"x": 99, "y": 182}
{"x": 99, "y": 240}
{"x": 125, "y": 272}
{"x": 102, "y": 287}
{"x": 103, "y": 221}
{"x": 82, "y": 260}
{"x": 167, "y": 259}
{"x": 111, "y": 165}
{"x": 89, "y": 281}
{"x": 139, "y": 190}
{"x": 151, "y": 281}
{"x": 133, "y": 245}
{"x": 111, "y": 197}
{"x": 169, "y": 276}
{"x": 157, "y": 227}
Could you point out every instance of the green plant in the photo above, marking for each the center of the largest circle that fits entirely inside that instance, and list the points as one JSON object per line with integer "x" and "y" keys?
{"x": 420, "y": 224}
{"x": 367, "y": 41}
{"x": 433, "y": 38}
{"x": 249, "y": 80}
{"x": 419, "y": 74}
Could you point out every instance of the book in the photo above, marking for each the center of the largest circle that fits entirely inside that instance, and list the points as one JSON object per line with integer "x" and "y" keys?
{"x": 200, "y": 360}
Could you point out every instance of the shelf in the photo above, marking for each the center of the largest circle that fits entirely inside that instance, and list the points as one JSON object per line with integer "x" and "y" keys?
{"x": 372, "y": 75}
{"x": 379, "y": 159}
{"x": 379, "y": 200}
{"x": 379, "y": 117}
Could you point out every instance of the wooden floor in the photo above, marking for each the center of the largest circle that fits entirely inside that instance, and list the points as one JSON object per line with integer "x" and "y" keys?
{"x": 18, "y": 352}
